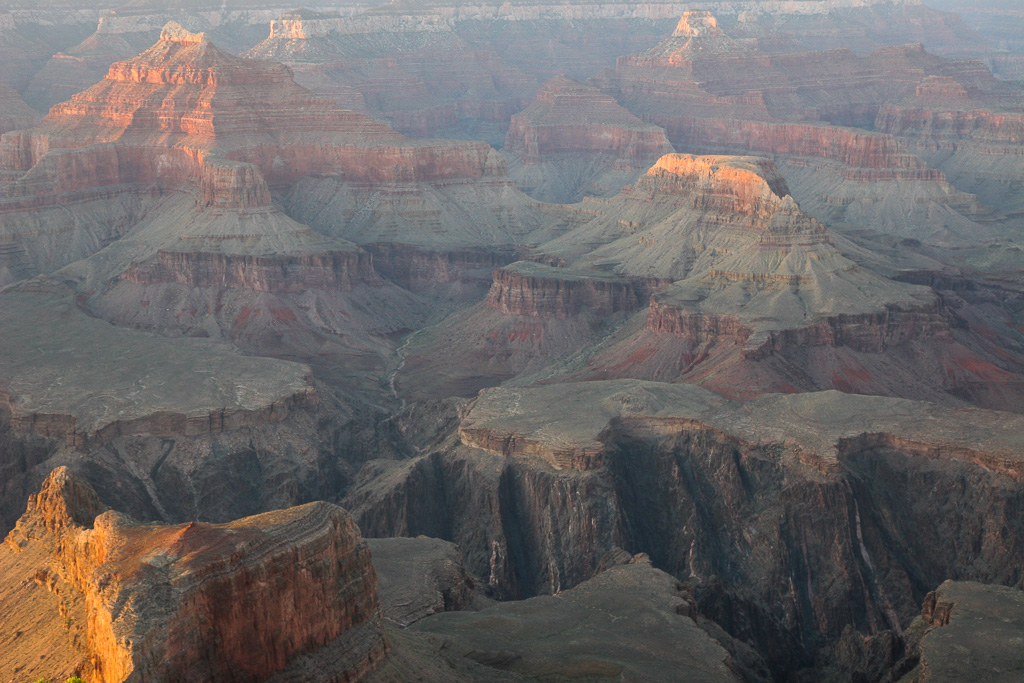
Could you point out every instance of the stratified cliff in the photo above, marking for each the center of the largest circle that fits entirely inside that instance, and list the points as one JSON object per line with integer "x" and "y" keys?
{"x": 573, "y": 140}
{"x": 279, "y": 596}
{"x": 184, "y": 109}
{"x": 707, "y": 270}
{"x": 795, "y": 516}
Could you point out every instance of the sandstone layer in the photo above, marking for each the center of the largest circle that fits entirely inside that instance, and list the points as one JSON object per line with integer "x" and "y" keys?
{"x": 278, "y": 596}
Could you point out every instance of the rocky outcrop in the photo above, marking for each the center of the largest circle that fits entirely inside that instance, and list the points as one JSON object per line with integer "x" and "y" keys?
{"x": 99, "y": 382}
{"x": 794, "y": 516}
{"x": 418, "y": 577}
{"x": 570, "y": 118}
{"x": 531, "y": 289}
{"x": 575, "y": 141}
{"x": 965, "y": 629}
{"x": 578, "y": 632}
{"x": 286, "y": 593}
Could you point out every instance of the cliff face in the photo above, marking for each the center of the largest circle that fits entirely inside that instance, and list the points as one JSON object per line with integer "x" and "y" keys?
{"x": 237, "y": 602}
{"x": 337, "y": 271}
{"x": 533, "y": 290}
{"x": 573, "y": 141}
{"x": 866, "y": 332}
{"x": 570, "y": 118}
{"x": 792, "y": 529}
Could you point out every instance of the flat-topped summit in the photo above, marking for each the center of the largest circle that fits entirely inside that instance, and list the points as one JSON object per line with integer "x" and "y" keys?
{"x": 176, "y": 33}
{"x": 736, "y": 176}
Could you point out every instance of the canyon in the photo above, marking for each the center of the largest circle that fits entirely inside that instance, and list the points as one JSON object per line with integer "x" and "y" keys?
{"x": 510, "y": 342}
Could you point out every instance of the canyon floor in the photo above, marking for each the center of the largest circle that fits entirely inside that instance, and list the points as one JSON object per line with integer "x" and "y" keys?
{"x": 511, "y": 342}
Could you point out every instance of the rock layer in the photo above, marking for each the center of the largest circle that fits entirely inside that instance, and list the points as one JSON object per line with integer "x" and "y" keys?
{"x": 297, "y": 585}
{"x": 796, "y": 516}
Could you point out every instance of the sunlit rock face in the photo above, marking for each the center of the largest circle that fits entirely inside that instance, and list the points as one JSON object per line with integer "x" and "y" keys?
{"x": 290, "y": 592}
{"x": 707, "y": 270}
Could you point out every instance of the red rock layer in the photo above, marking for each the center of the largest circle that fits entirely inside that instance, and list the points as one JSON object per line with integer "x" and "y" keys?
{"x": 868, "y": 157}
{"x": 570, "y": 118}
{"x": 942, "y": 114}
{"x": 545, "y": 293}
{"x": 231, "y": 602}
{"x": 275, "y": 273}
{"x": 864, "y": 332}
{"x": 186, "y": 94}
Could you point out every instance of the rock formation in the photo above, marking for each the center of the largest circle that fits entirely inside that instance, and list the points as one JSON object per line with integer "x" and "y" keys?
{"x": 14, "y": 113}
{"x": 575, "y": 141}
{"x": 93, "y": 386}
{"x": 738, "y": 290}
{"x": 796, "y": 516}
{"x": 570, "y": 635}
{"x": 418, "y": 577}
{"x": 711, "y": 93}
{"x": 242, "y": 142}
{"x": 975, "y": 135}
{"x": 737, "y": 400}
{"x": 405, "y": 64}
{"x": 281, "y": 595}
{"x": 968, "y": 630}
